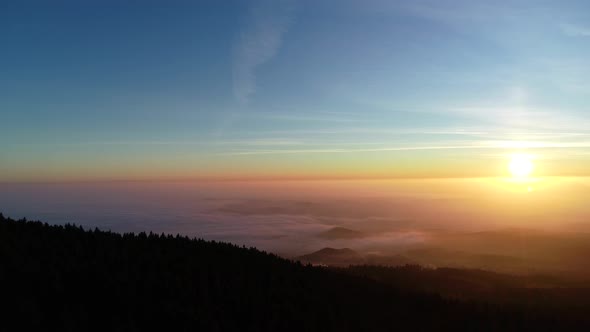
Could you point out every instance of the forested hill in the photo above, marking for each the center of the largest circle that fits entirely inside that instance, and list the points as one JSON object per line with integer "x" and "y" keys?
{"x": 70, "y": 279}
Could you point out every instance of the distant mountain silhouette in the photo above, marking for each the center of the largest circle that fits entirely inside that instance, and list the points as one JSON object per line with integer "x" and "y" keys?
{"x": 345, "y": 257}
{"x": 333, "y": 257}
{"x": 344, "y": 252}
{"x": 69, "y": 279}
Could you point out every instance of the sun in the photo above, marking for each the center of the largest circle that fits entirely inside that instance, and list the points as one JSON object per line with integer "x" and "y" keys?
{"x": 521, "y": 165}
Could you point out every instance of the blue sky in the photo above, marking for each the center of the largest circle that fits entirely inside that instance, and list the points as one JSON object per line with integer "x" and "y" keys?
{"x": 148, "y": 89}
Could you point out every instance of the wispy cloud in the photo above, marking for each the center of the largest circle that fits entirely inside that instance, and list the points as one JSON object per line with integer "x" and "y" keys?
{"x": 574, "y": 30}
{"x": 524, "y": 117}
{"x": 380, "y": 149}
{"x": 476, "y": 145}
{"x": 450, "y": 13}
{"x": 258, "y": 42}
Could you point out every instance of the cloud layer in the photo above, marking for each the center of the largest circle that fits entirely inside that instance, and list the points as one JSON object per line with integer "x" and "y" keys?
{"x": 258, "y": 42}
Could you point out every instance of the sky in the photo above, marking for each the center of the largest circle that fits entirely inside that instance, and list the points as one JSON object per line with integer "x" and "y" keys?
{"x": 286, "y": 89}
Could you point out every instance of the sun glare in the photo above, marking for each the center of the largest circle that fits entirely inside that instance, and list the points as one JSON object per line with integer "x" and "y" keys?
{"x": 521, "y": 165}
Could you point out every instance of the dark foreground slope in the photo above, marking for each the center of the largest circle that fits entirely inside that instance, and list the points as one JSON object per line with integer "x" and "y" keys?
{"x": 558, "y": 297}
{"x": 66, "y": 278}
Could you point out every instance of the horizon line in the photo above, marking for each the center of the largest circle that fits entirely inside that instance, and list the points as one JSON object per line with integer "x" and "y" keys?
{"x": 278, "y": 179}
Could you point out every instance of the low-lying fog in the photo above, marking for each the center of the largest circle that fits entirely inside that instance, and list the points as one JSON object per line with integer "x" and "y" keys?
{"x": 537, "y": 225}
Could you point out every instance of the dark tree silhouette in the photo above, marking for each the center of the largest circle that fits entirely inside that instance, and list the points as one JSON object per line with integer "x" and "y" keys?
{"x": 70, "y": 279}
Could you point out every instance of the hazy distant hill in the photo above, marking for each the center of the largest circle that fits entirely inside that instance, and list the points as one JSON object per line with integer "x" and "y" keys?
{"x": 333, "y": 257}
{"x": 345, "y": 257}
{"x": 513, "y": 250}
{"x": 69, "y": 279}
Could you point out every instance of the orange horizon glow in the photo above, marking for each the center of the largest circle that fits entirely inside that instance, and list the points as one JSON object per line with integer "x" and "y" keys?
{"x": 374, "y": 165}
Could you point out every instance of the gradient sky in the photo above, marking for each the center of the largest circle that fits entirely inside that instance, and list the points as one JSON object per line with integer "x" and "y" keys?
{"x": 291, "y": 89}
